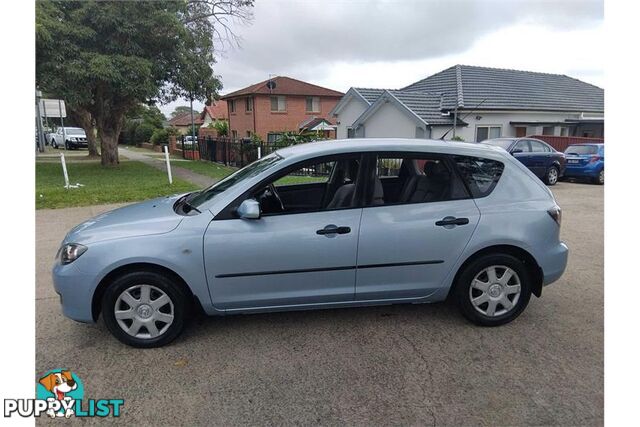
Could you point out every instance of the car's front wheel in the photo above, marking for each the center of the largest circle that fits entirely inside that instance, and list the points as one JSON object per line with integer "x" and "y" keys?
{"x": 551, "y": 177}
{"x": 144, "y": 309}
{"x": 54, "y": 144}
{"x": 493, "y": 289}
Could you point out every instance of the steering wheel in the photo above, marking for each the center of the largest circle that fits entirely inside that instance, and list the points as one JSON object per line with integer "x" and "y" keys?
{"x": 276, "y": 196}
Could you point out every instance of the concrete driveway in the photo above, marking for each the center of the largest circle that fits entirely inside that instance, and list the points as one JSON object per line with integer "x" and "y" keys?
{"x": 416, "y": 365}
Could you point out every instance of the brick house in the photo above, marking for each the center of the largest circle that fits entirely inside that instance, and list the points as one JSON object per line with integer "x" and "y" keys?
{"x": 210, "y": 113}
{"x": 280, "y": 104}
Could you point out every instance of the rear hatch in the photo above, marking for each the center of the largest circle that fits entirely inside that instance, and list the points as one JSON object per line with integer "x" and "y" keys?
{"x": 581, "y": 155}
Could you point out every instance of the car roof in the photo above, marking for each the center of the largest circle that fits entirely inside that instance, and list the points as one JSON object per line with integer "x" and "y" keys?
{"x": 587, "y": 143}
{"x": 339, "y": 146}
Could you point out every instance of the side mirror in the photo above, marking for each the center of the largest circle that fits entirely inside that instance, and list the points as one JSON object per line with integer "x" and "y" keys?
{"x": 516, "y": 151}
{"x": 249, "y": 209}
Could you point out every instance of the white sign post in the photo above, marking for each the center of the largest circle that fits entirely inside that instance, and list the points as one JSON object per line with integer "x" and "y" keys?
{"x": 64, "y": 170}
{"x": 166, "y": 157}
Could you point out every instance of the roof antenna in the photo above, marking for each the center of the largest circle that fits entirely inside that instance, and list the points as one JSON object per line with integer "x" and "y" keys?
{"x": 271, "y": 84}
{"x": 462, "y": 119}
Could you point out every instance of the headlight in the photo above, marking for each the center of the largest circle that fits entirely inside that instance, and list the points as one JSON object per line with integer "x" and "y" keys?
{"x": 70, "y": 252}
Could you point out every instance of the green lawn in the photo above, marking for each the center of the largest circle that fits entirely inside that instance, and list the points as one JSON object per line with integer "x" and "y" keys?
{"x": 211, "y": 169}
{"x": 130, "y": 181}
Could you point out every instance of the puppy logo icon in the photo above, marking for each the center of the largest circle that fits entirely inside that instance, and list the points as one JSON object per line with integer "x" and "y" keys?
{"x": 63, "y": 386}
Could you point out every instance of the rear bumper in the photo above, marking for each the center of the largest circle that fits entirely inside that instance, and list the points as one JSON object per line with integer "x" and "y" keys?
{"x": 589, "y": 171}
{"x": 554, "y": 263}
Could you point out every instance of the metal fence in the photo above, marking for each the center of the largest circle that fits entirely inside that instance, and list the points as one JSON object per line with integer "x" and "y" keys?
{"x": 231, "y": 152}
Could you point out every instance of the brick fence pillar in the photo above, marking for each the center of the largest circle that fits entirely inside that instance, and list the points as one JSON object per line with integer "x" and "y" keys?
{"x": 172, "y": 143}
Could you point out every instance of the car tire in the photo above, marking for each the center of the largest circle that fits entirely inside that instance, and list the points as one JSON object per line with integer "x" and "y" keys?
{"x": 151, "y": 306}
{"x": 54, "y": 144}
{"x": 600, "y": 178}
{"x": 491, "y": 299}
{"x": 551, "y": 176}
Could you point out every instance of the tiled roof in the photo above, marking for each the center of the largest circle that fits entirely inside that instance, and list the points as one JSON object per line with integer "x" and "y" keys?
{"x": 313, "y": 122}
{"x": 285, "y": 86}
{"x": 426, "y": 106}
{"x": 369, "y": 94}
{"x": 185, "y": 120}
{"x": 502, "y": 89}
{"x": 216, "y": 111}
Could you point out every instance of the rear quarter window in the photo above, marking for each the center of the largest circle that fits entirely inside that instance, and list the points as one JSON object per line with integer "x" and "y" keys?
{"x": 480, "y": 175}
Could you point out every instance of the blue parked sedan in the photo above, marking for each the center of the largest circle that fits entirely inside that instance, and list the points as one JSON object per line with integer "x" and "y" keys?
{"x": 331, "y": 224}
{"x": 541, "y": 158}
{"x": 585, "y": 161}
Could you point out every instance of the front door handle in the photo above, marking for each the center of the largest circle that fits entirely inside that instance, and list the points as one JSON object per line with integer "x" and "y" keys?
{"x": 334, "y": 229}
{"x": 451, "y": 220}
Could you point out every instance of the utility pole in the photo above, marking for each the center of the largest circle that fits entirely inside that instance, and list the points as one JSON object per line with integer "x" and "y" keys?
{"x": 193, "y": 130}
{"x": 39, "y": 122}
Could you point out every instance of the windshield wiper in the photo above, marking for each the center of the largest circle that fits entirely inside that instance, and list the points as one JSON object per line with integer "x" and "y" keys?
{"x": 190, "y": 206}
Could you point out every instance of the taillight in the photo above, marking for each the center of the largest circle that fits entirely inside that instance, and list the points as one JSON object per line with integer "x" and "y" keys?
{"x": 594, "y": 159}
{"x": 556, "y": 213}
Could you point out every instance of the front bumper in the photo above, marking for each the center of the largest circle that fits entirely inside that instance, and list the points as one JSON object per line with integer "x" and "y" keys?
{"x": 76, "y": 291}
{"x": 77, "y": 144}
{"x": 554, "y": 263}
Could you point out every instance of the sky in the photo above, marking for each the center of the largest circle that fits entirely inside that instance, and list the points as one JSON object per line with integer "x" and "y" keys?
{"x": 392, "y": 43}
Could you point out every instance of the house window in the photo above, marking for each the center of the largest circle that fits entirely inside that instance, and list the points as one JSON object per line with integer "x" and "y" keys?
{"x": 248, "y": 134}
{"x": 234, "y": 134}
{"x": 248, "y": 104}
{"x": 313, "y": 104}
{"x": 350, "y": 133}
{"x": 548, "y": 130}
{"x": 278, "y": 103}
{"x": 564, "y": 132}
{"x": 232, "y": 105}
{"x": 487, "y": 132}
{"x": 273, "y": 137}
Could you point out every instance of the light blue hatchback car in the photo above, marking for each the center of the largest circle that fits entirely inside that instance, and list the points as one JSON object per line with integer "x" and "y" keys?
{"x": 330, "y": 224}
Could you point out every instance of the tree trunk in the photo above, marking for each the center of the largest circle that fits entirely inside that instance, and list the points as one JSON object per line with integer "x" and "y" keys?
{"x": 83, "y": 117}
{"x": 109, "y": 131}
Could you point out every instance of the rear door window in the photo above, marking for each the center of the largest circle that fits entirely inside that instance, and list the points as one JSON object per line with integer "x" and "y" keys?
{"x": 480, "y": 175}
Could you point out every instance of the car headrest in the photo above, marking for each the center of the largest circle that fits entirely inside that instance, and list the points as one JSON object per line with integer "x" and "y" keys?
{"x": 436, "y": 171}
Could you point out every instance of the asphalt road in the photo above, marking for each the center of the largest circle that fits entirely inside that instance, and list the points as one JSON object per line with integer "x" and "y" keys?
{"x": 416, "y": 364}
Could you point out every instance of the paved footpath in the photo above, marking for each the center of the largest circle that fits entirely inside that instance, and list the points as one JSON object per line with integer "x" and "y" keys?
{"x": 176, "y": 171}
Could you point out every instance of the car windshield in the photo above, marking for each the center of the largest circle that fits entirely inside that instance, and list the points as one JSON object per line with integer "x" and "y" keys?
{"x": 198, "y": 198}
{"x": 73, "y": 131}
{"x": 582, "y": 149}
{"x": 504, "y": 143}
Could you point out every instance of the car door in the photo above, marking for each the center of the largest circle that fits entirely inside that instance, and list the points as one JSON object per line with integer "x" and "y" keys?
{"x": 541, "y": 157}
{"x": 522, "y": 151}
{"x": 410, "y": 242}
{"x": 285, "y": 258}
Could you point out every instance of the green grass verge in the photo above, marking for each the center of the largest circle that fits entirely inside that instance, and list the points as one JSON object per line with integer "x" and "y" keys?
{"x": 128, "y": 182}
{"x": 211, "y": 169}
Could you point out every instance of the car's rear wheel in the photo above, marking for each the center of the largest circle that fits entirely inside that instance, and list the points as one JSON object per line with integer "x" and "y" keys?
{"x": 600, "y": 178}
{"x": 144, "y": 309}
{"x": 54, "y": 144}
{"x": 551, "y": 177}
{"x": 493, "y": 289}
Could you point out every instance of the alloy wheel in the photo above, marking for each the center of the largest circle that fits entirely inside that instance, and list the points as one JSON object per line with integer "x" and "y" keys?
{"x": 144, "y": 311}
{"x": 552, "y": 176}
{"x": 495, "y": 290}
{"x": 601, "y": 177}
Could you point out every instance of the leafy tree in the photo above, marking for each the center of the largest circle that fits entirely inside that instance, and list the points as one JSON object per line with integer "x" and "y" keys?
{"x": 105, "y": 58}
{"x": 180, "y": 110}
{"x": 143, "y": 133}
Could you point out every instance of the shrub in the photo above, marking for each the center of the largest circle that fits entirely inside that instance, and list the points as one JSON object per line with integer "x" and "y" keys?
{"x": 143, "y": 132}
{"x": 173, "y": 131}
{"x": 160, "y": 137}
{"x": 221, "y": 126}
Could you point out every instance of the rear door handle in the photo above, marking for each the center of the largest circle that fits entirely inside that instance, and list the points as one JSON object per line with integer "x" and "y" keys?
{"x": 451, "y": 220}
{"x": 334, "y": 229}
